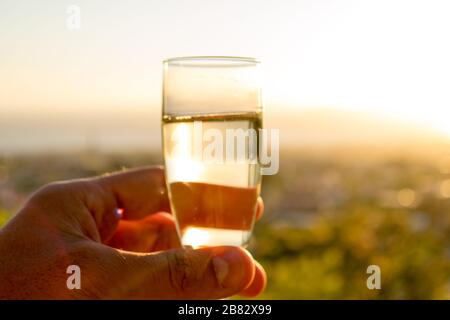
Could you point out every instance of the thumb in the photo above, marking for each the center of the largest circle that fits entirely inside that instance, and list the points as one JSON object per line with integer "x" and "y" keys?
{"x": 206, "y": 273}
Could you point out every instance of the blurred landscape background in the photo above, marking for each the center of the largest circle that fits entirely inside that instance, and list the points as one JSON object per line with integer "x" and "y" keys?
{"x": 358, "y": 89}
{"x": 330, "y": 213}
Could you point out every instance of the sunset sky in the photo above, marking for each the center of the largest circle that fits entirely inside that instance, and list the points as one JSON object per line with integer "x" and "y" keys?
{"x": 388, "y": 57}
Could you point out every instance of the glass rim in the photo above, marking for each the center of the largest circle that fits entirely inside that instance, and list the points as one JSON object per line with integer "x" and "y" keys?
{"x": 197, "y": 61}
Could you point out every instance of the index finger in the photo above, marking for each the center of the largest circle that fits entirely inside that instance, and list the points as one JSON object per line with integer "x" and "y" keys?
{"x": 139, "y": 192}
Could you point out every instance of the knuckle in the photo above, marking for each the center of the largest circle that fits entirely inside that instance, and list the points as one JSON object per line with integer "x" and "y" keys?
{"x": 181, "y": 271}
{"x": 44, "y": 196}
{"x": 57, "y": 188}
{"x": 49, "y": 189}
{"x": 63, "y": 190}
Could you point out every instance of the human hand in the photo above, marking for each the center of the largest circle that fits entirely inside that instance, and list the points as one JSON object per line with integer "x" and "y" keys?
{"x": 118, "y": 251}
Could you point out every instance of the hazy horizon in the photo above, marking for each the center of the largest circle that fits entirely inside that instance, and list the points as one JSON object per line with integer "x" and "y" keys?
{"x": 122, "y": 129}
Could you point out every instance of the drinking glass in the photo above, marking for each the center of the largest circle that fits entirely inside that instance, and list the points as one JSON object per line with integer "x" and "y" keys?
{"x": 212, "y": 116}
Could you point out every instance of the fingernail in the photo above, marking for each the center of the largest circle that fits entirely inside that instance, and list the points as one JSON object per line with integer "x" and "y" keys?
{"x": 231, "y": 268}
{"x": 221, "y": 269}
{"x": 118, "y": 212}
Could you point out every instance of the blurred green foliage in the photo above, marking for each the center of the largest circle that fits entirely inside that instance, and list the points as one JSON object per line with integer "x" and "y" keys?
{"x": 4, "y": 216}
{"x": 329, "y": 260}
{"x": 327, "y": 219}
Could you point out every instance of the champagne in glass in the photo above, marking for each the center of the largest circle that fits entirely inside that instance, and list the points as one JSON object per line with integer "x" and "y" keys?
{"x": 212, "y": 114}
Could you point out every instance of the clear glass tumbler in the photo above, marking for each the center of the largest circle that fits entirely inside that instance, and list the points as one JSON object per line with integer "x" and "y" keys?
{"x": 212, "y": 113}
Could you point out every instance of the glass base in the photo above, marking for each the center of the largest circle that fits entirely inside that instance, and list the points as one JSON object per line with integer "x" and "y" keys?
{"x": 206, "y": 237}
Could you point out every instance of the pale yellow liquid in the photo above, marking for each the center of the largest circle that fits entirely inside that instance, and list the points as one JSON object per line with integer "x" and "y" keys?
{"x": 213, "y": 203}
